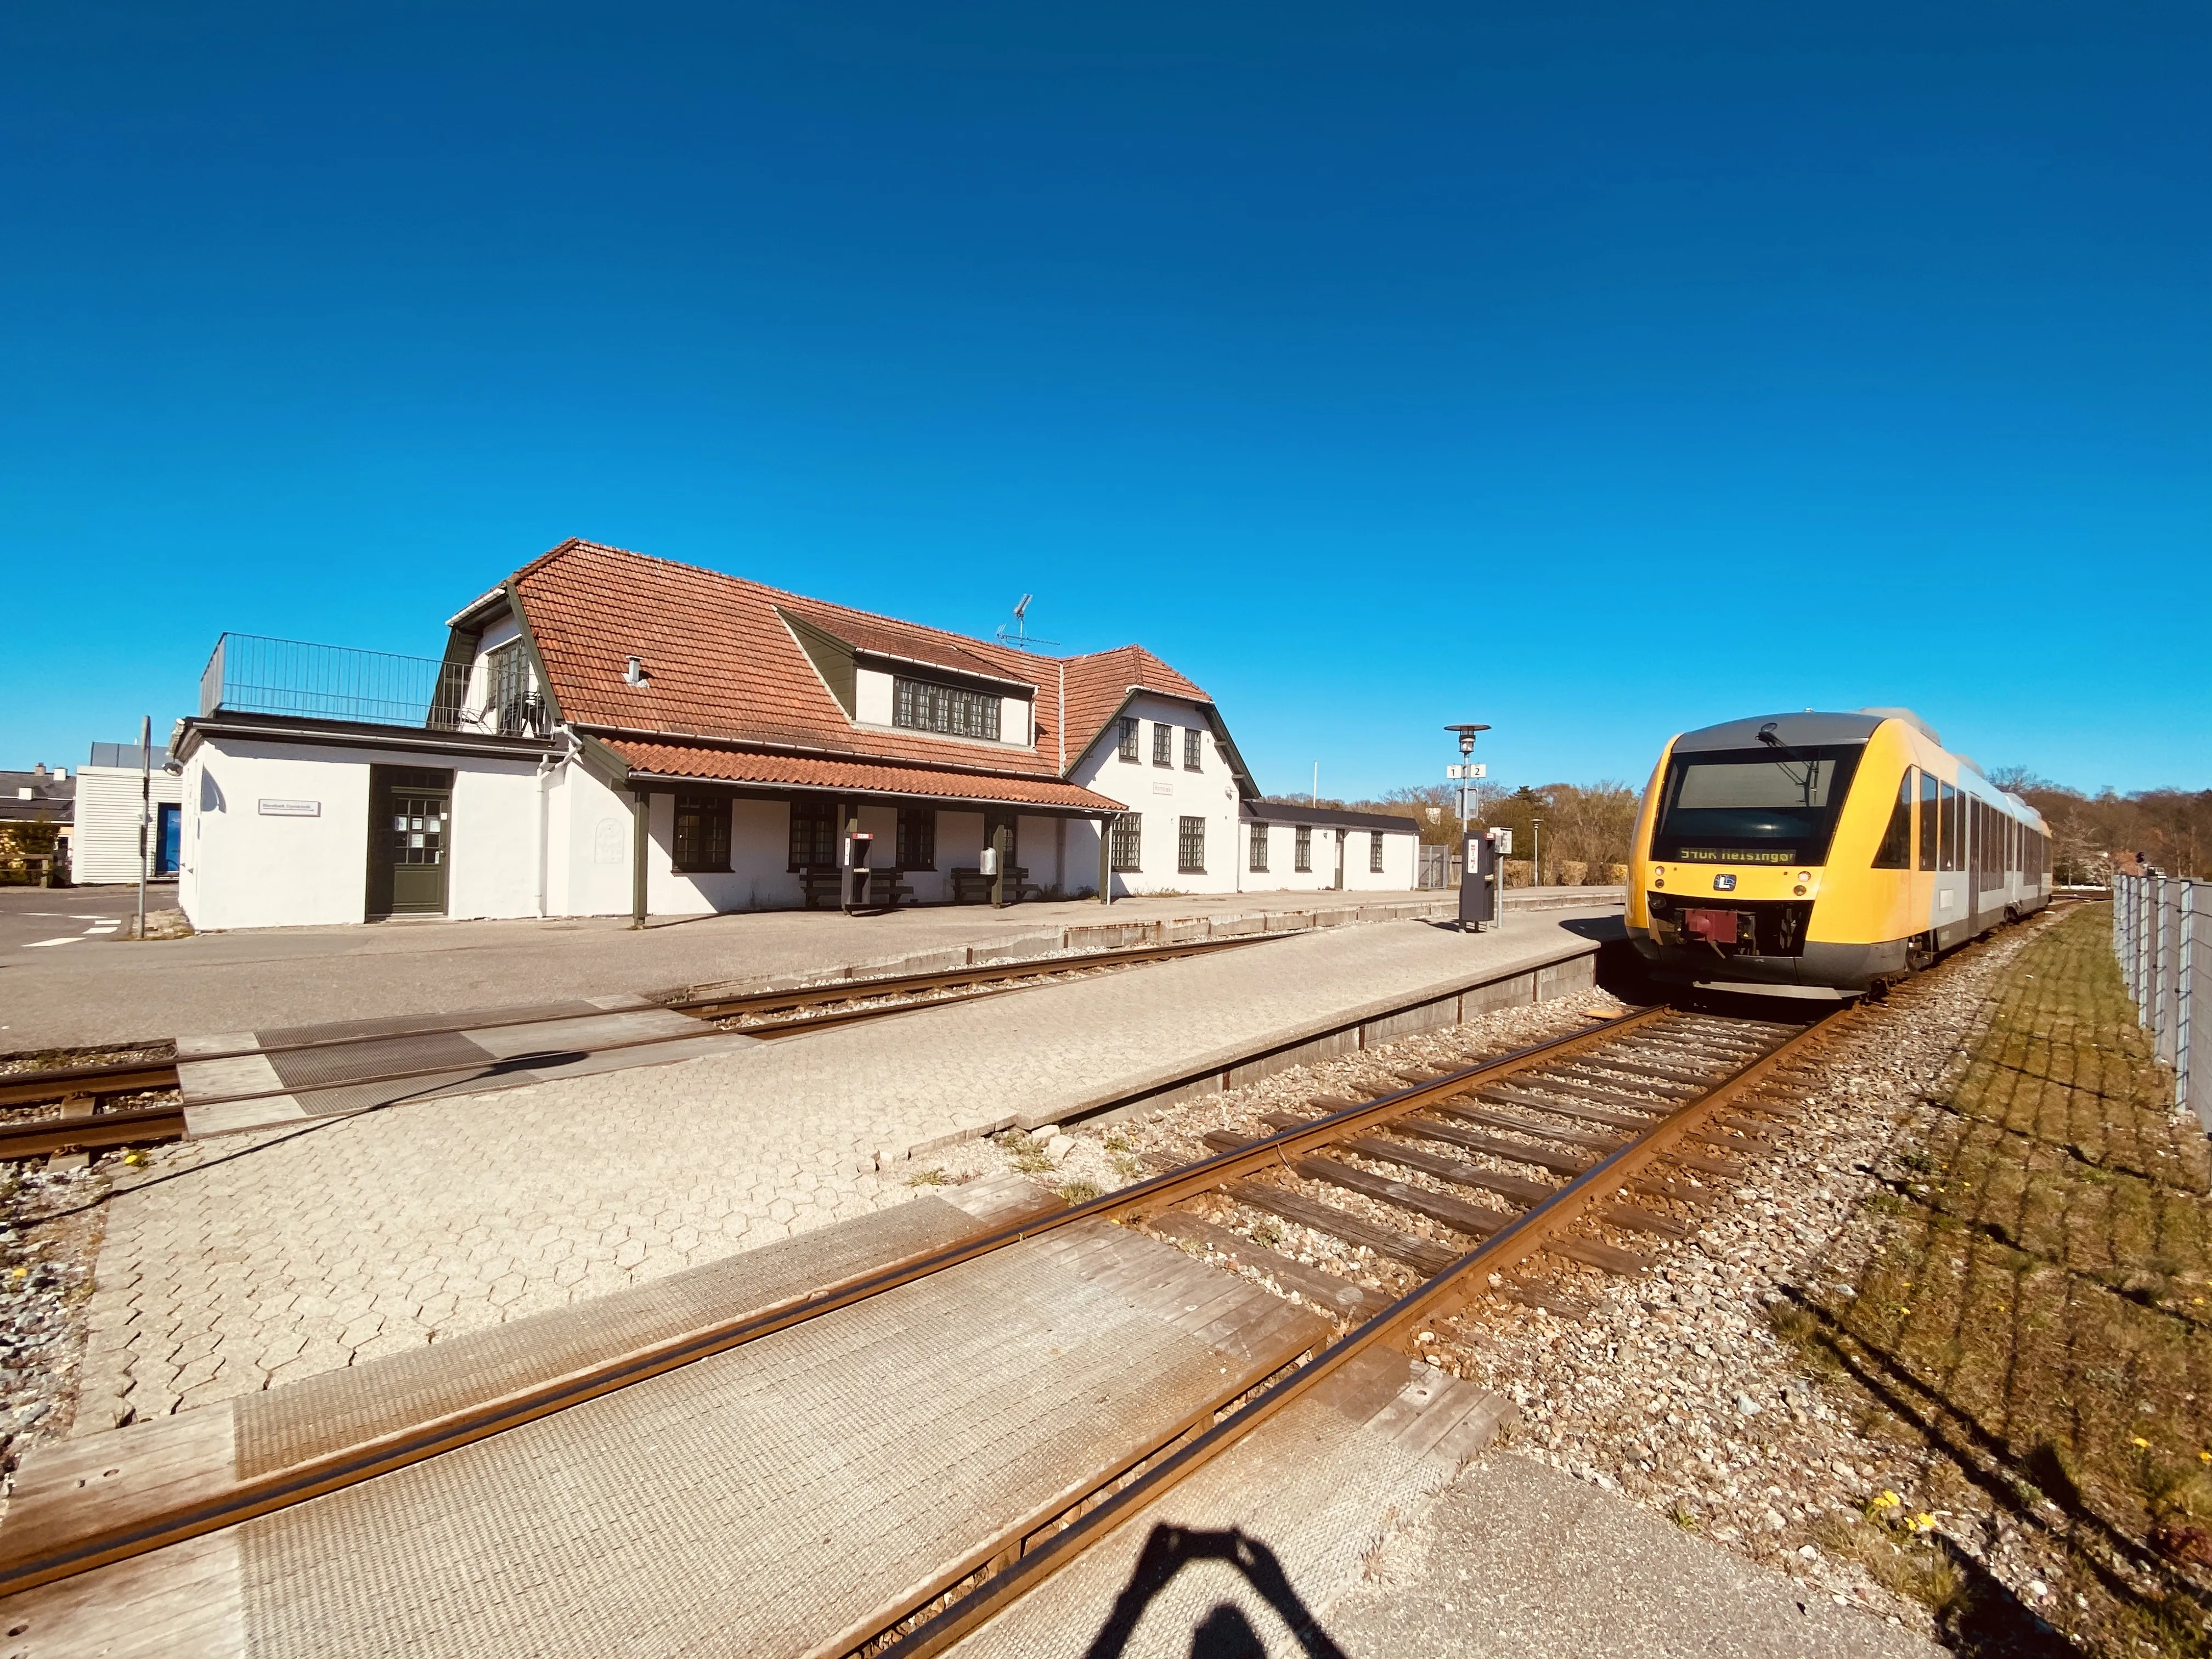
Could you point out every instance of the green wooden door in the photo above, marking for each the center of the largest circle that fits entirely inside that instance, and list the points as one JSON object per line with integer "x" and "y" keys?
{"x": 410, "y": 840}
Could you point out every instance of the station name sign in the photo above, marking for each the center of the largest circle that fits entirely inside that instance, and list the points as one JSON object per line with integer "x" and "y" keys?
{"x": 291, "y": 809}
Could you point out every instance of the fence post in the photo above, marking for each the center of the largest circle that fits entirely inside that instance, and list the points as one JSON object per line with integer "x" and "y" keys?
{"x": 2193, "y": 1071}
{"x": 2146, "y": 939}
{"x": 2173, "y": 897}
{"x": 2184, "y": 988}
{"x": 2124, "y": 929}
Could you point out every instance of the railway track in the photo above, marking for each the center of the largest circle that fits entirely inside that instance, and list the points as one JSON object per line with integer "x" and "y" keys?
{"x": 767, "y": 1014}
{"x": 1466, "y": 1172}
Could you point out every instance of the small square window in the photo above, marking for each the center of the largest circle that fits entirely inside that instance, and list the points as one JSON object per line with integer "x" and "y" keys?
{"x": 1259, "y": 847}
{"x": 1191, "y": 762}
{"x": 1128, "y": 737}
{"x": 1190, "y": 847}
{"x": 1126, "y": 849}
{"x": 1162, "y": 743}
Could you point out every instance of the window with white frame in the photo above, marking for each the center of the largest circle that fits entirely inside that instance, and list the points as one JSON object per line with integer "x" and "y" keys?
{"x": 1259, "y": 847}
{"x": 1303, "y": 849}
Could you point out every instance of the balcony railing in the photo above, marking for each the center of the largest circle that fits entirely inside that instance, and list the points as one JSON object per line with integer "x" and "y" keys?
{"x": 250, "y": 674}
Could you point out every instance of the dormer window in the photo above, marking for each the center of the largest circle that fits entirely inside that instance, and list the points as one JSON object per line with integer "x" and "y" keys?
{"x": 510, "y": 708}
{"x": 923, "y": 706}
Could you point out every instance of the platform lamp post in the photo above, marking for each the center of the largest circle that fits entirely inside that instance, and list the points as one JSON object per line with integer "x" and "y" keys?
{"x": 1473, "y": 910}
{"x": 1535, "y": 852}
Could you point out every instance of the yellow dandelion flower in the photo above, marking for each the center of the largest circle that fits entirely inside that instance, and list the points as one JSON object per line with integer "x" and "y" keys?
{"x": 1923, "y": 1523}
{"x": 2138, "y": 1441}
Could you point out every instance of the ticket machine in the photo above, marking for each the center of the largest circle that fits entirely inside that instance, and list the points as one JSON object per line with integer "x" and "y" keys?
{"x": 859, "y": 846}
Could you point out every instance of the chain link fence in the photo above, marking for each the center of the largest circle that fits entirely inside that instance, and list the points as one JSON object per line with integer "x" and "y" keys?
{"x": 2162, "y": 934}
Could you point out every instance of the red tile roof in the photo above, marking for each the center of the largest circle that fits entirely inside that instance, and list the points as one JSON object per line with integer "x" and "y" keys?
{"x": 721, "y": 663}
{"x": 858, "y": 776}
{"x": 1098, "y": 685}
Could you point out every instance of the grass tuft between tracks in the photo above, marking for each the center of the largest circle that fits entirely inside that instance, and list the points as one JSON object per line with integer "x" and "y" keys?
{"x": 2035, "y": 1321}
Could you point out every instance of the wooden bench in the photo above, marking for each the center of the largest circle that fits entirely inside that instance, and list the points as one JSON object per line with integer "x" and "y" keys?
{"x": 972, "y": 886}
{"x": 824, "y": 885}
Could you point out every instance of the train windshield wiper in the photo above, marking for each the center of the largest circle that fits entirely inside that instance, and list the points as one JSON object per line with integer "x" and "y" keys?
{"x": 1811, "y": 776}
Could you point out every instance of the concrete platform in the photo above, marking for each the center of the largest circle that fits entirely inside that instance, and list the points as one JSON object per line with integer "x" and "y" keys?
{"x": 108, "y": 992}
{"x": 235, "y": 1265}
{"x": 1333, "y": 1526}
{"x": 785, "y": 1497}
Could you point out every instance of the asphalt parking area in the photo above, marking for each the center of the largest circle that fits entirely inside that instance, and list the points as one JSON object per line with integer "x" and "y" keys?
{"x": 51, "y": 919}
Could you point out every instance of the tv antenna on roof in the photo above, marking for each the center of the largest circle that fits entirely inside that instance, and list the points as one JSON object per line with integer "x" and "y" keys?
{"x": 1018, "y": 636}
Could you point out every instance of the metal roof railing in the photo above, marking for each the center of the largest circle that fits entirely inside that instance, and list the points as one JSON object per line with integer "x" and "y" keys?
{"x": 249, "y": 673}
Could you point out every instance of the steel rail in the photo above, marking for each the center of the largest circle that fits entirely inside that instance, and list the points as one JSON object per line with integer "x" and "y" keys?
{"x": 53, "y": 1083}
{"x": 23, "y": 1568}
{"x": 101, "y": 1129}
{"x": 718, "y": 1008}
{"x": 57, "y": 1082}
{"x": 1437, "y": 1297}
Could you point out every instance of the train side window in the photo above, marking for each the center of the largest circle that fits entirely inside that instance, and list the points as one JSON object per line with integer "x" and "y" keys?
{"x": 1929, "y": 821}
{"x": 1947, "y": 836}
{"x": 1895, "y": 852}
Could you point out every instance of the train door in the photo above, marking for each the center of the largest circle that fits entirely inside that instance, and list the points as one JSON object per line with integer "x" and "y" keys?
{"x": 1953, "y": 914}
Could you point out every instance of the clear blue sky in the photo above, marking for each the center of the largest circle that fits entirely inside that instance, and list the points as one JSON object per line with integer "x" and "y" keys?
{"x": 1594, "y": 371}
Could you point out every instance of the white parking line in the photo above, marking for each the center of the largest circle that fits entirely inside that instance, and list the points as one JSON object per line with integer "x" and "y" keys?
{"x": 34, "y": 944}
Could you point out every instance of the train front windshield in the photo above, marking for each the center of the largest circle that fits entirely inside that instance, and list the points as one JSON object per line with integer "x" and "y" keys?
{"x": 1752, "y": 806}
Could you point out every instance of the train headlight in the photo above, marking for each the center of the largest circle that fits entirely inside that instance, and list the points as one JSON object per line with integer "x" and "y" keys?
{"x": 1658, "y": 869}
{"x": 1798, "y": 890}
{"x": 1804, "y": 875}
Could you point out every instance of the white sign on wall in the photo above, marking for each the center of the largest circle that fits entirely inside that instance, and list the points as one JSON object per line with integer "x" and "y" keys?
{"x": 291, "y": 809}
{"x": 607, "y": 841}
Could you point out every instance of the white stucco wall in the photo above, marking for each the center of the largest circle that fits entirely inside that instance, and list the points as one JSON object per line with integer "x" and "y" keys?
{"x": 588, "y": 848}
{"x": 1163, "y": 795}
{"x": 1399, "y": 859}
{"x": 242, "y": 866}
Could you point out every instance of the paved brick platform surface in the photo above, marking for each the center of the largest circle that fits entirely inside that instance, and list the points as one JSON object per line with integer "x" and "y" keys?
{"x": 106, "y": 992}
{"x": 241, "y": 1261}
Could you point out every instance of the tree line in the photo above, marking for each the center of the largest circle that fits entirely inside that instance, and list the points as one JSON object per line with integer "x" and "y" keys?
{"x": 2169, "y": 829}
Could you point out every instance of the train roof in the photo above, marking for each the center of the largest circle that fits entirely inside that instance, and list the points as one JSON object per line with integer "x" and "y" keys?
{"x": 1798, "y": 730}
{"x": 1809, "y": 728}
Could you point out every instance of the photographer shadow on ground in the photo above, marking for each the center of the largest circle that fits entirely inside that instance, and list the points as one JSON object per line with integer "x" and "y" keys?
{"x": 1225, "y": 1633}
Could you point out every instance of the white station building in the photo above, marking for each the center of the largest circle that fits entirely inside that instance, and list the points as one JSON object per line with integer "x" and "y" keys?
{"x": 608, "y": 733}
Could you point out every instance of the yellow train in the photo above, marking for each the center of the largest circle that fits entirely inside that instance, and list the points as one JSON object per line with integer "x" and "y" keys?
{"x": 1837, "y": 850}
